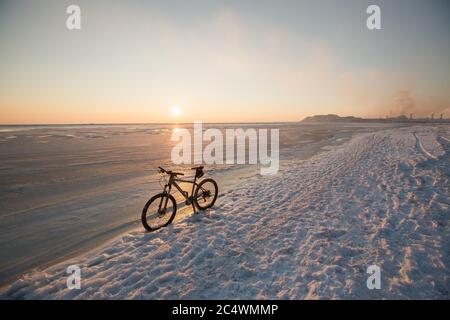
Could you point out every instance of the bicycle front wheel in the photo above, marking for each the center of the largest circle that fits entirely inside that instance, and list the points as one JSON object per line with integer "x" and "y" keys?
{"x": 206, "y": 194}
{"x": 158, "y": 212}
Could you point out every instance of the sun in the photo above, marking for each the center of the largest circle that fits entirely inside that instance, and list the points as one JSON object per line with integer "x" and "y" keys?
{"x": 176, "y": 111}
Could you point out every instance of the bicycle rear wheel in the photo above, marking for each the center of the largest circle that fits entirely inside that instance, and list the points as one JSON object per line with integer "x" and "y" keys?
{"x": 206, "y": 194}
{"x": 158, "y": 212}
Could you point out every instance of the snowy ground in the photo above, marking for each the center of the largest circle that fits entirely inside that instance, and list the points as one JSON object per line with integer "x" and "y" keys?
{"x": 309, "y": 232}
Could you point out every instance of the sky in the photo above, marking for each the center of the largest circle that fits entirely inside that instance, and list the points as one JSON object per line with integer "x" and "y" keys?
{"x": 221, "y": 61}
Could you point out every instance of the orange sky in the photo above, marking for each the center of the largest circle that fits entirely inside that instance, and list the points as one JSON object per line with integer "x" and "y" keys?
{"x": 135, "y": 61}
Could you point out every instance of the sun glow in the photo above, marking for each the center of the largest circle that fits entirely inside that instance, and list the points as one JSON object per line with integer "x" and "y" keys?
{"x": 176, "y": 111}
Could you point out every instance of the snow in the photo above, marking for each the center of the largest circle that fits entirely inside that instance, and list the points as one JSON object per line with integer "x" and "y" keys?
{"x": 308, "y": 232}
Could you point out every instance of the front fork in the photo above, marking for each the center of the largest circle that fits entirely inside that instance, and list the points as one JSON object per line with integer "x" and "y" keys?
{"x": 167, "y": 189}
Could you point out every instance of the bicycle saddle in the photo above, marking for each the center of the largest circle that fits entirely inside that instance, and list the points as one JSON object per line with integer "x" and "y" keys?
{"x": 198, "y": 171}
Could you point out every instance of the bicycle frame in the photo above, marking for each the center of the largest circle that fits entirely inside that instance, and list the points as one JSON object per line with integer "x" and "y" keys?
{"x": 173, "y": 181}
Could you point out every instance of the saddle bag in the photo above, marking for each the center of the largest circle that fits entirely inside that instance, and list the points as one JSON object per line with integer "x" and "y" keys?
{"x": 199, "y": 173}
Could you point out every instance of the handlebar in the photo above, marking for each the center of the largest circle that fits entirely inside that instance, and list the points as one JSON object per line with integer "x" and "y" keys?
{"x": 162, "y": 170}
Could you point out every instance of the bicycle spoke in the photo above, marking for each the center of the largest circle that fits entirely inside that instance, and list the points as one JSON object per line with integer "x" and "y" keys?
{"x": 159, "y": 213}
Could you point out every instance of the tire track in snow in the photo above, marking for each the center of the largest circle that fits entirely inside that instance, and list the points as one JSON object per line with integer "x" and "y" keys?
{"x": 428, "y": 154}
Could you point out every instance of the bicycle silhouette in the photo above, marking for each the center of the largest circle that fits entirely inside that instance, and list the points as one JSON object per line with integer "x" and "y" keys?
{"x": 158, "y": 212}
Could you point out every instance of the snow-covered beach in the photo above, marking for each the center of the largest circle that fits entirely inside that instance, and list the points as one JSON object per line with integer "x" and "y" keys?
{"x": 308, "y": 232}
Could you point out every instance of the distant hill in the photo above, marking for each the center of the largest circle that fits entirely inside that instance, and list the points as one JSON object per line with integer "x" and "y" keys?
{"x": 332, "y": 118}
{"x": 399, "y": 119}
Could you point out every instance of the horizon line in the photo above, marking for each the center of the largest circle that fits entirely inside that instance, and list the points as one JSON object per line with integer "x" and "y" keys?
{"x": 134, "y": 123}
{"x": 167, "y": 123}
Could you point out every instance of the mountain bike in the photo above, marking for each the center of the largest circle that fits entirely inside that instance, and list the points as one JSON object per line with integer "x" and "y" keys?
{"x": 160, "y": 210}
